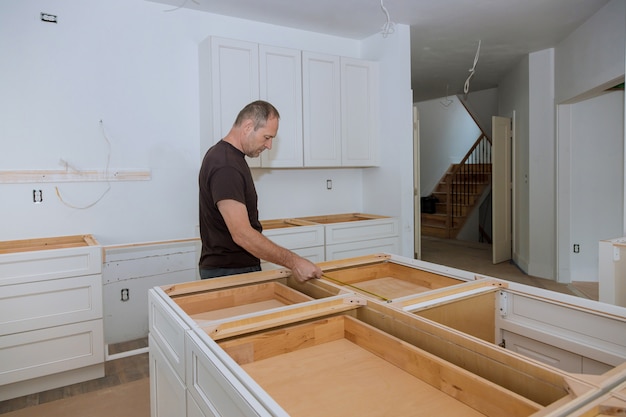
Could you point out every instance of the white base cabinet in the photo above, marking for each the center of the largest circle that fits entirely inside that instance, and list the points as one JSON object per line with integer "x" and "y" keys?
{"x": 356, "y": 234}
{"x": 304, "y": 238}
{"x": 240, "y": 343}
{"x": 334, "y": 236}
{"x": 51, "y": 327}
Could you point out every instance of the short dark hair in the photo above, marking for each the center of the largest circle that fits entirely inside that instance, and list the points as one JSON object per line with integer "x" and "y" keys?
{"x": 259, "y": 112}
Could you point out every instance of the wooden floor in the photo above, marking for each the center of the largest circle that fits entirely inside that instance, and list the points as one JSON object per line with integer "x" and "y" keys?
{"x": 473, "y": 257}
{"x": 476, "y": 257}
{"x": 117, "y": 372}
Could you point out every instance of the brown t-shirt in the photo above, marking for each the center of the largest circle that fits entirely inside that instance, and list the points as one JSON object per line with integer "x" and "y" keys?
{"x": 225, "y": 175}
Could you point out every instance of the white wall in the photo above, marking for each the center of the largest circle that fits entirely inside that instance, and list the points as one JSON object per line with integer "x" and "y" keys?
{"x": 592, "y": 57}
{"x": 446, "y": 134}
{"x": 388, "y": 189}
{"x": 596, "y": 180}
{"x": 602, "y": 41}
{"x": 483, "y": 105}
{"x": 133, "y": 65}
{"x": 541, "y": 181}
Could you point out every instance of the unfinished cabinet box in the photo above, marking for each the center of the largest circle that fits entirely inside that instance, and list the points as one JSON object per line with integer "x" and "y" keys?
{"x": 578, "y": 340}
{"x": 350, "y": 235}
{"x": 51, "y": 331}
{"x": 254, "y": 343}
{"x": 300, "y": 236}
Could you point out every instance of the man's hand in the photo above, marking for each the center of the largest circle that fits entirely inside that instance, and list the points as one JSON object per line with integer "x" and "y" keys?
{"x": 304, "y": 270}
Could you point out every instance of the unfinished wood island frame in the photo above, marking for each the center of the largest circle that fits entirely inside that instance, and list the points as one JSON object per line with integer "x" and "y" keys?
{"x": 378, "y": 335}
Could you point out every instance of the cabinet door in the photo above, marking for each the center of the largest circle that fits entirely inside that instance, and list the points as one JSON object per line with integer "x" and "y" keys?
{"x": 359, "y": 112}
{"x": 234, "y": 83}
{"x": 167, "y": 391}
{"x": 321, "y": 98}
{"x": 280, "y": 72}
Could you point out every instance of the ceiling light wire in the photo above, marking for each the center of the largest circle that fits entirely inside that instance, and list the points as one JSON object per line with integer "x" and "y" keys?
{"x": 388, "y": 27}
{"x": 181, "y": 6}
{"x": 472, "y": 70}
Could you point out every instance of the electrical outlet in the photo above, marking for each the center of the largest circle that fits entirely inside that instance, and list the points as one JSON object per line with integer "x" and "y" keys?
{"x": 37, "y": 196}
{"x": 125, "y": 294}
{"x": 48, "y": 18}
{"x": 576, "y": 248}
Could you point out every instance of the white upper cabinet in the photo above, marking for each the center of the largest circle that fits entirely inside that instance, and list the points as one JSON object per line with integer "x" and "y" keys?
{"x": 229, "y": 80}
{"x": 322, "y": 110}
{"x": 281, "y": 84}
{"x": 328, "y": 104}
{"x": 359, "y": 112}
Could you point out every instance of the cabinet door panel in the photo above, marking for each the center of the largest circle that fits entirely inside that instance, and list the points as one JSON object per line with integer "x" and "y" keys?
{"x": 359, "y": 112}
{"x": 229, "y": 79}
{"x": 321, "y": 96}
{"x": 167, "y": 391}
{"x": 235, "y": 77}
{"x": 281, "y": 84}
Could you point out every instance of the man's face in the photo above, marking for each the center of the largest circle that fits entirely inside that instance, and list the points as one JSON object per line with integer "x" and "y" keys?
{"x": 256, "y": 141}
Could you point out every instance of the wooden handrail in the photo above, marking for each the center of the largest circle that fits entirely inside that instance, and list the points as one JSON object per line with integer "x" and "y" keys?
{"x": 461, "y": 181}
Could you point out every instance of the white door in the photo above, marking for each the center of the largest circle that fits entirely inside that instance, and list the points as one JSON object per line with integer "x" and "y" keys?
{"x": 501, "y": 188}
{"x": 416, "y": 185}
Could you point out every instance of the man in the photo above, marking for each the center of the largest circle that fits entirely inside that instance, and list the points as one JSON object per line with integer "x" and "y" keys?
{"x": 230, "y": 230}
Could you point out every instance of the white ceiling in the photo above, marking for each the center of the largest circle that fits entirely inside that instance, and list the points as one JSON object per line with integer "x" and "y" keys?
{"x": 444, "y": 33}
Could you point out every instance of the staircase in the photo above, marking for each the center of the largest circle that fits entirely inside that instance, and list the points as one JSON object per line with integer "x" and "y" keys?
{"x": 459, "y": 191}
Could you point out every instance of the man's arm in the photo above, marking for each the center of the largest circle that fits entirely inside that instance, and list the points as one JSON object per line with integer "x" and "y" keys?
{"x": 235, "y": 215}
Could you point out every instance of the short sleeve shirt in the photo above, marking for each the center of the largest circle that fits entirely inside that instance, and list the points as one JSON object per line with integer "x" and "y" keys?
{"x": 225, "y": 175}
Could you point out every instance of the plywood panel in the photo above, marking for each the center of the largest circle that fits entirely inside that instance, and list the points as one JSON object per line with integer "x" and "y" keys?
{"x": 341, "y": 379}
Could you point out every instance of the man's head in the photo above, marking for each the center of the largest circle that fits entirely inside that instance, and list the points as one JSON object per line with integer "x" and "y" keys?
{"x": 258, "y": 124}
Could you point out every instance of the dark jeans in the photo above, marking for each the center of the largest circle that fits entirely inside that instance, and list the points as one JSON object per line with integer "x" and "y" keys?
{"x": 220, "y": 272}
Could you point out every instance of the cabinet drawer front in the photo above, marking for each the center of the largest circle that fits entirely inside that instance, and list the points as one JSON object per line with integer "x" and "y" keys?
{"x": 43, "y": 352}
{"x": 365, "y": 247}
{"x": 21, "y": 267}
{"x": 168, "y": 332}
{"x": 56, "y": 302}
{"x": 361, "y": 230}
{"x": 297, "y": 237}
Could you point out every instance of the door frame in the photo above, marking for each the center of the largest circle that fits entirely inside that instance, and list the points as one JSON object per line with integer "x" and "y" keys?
{"x": 417, "y": 217}
{"x": 503, "y": 188}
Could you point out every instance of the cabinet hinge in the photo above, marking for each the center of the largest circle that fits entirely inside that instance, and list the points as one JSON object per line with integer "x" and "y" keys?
{"x": 503, "y": 304}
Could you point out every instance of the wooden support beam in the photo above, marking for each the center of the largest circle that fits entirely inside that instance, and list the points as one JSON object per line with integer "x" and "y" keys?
{"x": 41, "y": 176}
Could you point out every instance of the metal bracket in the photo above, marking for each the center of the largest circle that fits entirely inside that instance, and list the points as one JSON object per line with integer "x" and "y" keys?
{"x": 503, "y": 304}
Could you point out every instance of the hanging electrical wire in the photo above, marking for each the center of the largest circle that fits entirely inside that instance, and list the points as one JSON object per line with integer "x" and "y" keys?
{"x": 472, "y": 70}
{"x": 446, "y": 103}
{"x": 181, "y": 6}
{"x": 388, "y": 27}
{"x": 106, "y": 175}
